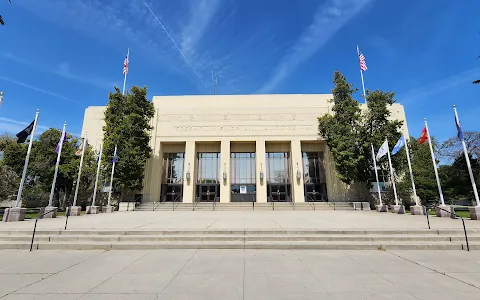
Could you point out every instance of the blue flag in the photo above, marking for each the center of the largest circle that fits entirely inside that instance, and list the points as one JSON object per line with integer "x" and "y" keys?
{"x": 115, "y": 158}
{"x": 459, "y": 129}
{"x": 99, "y": 154}
{"x": 399, "y": 145}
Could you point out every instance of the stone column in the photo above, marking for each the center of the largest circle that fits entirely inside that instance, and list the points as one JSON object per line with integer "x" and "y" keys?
{"x": 298, "y": 194}
{"x": 153, "y": 178}
{"x": 189, "y": 185}
{"x": 225, "y": 167}
{"x": 260, "y": 167}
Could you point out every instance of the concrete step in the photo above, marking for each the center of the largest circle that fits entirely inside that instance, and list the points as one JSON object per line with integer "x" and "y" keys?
{"x": 248, "y": 232}
{"x": 265, "y": 238}
{"x": 240, "y": 245}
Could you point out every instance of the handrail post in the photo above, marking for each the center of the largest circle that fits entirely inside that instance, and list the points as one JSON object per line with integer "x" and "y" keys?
{"x": 33, "y": 235}
{"x": 465, "y": 231}
{"x": 68, "y": 214}
{"x": 426, "y": 214}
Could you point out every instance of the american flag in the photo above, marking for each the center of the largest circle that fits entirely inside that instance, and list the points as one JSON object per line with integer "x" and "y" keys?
{"x": 125, "y": 65}
{"x": 363, "y": 64}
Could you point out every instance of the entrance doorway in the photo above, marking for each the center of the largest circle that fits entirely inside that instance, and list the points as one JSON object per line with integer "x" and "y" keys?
{"x": 278, "y": 177}
{"x": 208, "y": 176}
{"x": 172, "y": 178}
{"x": 314, "y": 177}
{"x": 208, "y": 192}
{"x": 278, "y": 192}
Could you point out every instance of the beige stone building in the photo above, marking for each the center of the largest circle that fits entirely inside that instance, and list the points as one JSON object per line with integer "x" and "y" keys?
{"x": 231, "y": 148}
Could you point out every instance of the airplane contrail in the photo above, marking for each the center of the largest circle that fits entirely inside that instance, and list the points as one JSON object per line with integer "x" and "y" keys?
{"x": 175, "y": 44}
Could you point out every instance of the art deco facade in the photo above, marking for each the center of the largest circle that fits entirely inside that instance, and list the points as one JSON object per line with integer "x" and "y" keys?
{"x": 237, "y": 148}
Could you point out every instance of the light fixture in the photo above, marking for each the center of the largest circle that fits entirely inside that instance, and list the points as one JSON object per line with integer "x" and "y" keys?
{"x": 299, "y": 174}
{"x": 261, "y": 172}
{"x": 225, "y": 172}
{"x": 187, "y": 175}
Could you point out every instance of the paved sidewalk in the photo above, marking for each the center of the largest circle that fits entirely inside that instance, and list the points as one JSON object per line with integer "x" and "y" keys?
{"x": 245, "y": 220}
{"x": 239, "y": 274}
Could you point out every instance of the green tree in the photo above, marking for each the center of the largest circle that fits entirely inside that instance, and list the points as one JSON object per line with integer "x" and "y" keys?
{"x": 341, "y": 130}
{"x": 8, "y": 181}
{"x": 42, "y": 164}
{"x": 456, "y": 179}
{"x": 452, "y": 148}
{"x": 349, "y": 133}
{"x": 423, "y": 173}
{"x": 127, "y": 122}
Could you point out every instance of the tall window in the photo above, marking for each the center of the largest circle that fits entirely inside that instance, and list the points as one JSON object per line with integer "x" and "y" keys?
{"x": 313, "y": 167}
{"x": 277, "y": 167}
{"x": 208, "y": 167}
{"x": 242, "y": 168}
{"x": 173, "y": 164}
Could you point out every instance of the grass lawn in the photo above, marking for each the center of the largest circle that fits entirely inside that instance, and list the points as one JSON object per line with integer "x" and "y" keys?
{"x": 35, "y": 214}
{"x": 464, "y": 214}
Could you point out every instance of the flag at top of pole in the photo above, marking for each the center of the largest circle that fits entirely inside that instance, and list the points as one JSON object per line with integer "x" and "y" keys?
{"x": 363, "y": 68}
{"x": 467, "y": 158}
{"x": 126, "y": 62}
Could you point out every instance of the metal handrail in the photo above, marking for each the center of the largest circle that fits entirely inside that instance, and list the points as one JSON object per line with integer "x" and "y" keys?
{"x": 291, "y": 201}
{"x": 253, "y": 201}
{"x": 35, "y": 227}
{"x": 463, "y": 222}
{"x": 311, "y": 203}
{"x": 176, "y": 202}
{"x": 215, "y": 202}
{"x": 195, "y": 202}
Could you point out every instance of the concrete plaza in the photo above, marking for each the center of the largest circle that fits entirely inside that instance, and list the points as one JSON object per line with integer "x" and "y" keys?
{"x": 199, "y": 220}
{"x": 239, "y": 274}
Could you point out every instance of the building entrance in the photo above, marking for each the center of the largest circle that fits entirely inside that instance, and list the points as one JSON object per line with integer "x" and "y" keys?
{"x": 208, "y": 176}
{"x": 314, "y": 177}
{"x": 172, "y": 178}
{"x": 278, "y": 177}
{"x": 279, "y": 193}
{"x": 208, "y": 192}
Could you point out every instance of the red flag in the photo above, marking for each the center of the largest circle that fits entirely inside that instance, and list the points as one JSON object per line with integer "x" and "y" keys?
{"x": 424, "y": 136}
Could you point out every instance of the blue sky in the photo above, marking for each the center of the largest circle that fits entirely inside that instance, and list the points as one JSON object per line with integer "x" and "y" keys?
{"x": 62, "y": 56}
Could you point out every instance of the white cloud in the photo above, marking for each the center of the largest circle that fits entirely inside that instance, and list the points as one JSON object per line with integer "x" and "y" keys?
{"x": 440, "y": 86}
{"x": 201, "y": 14}
{"x": 328, "y": 20}
{"x": 26, "y": 85}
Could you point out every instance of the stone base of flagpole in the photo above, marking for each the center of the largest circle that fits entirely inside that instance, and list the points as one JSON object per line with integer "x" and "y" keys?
{"x": 417, "y": 210}
{"x": 49, "y": 212}
{"x": 382, "y": 208}
{"x": 399, "y": 209}
{"x": 92, "y": 210}
{"x": 474, "y": 212}
{"x": 444, "y": 211}
{"x": 75, "y": 211}
{"x": 108, "y": 209}
{"x": 14, "y": 214}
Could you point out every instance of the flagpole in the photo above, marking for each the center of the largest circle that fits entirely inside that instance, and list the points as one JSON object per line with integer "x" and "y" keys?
{"x": 442, "y": 201}
{"x": 96, "y": 178}
{"x": 411, "y": 172}
{"x": 111, "y": 177}
{"x": 18, "y": 202}
{"x": 80, "y": 171}
{"x": 50, "y": 200}
{"x": 472, "y": 179}
{"x": 125, "y": 77}
{"x": 376, "y": 175}
{"x": 392, "y": 174}
{"x": 361, "y": 75}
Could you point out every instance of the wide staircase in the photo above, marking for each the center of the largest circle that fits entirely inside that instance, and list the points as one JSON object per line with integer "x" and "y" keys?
{"x": 243, "y": 206}
{"x": 421, "y": 239}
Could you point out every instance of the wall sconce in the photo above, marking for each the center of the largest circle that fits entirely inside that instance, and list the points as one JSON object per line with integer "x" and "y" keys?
{"x": 261, "y": 172}
{"x": 225, "y": 173}
{"x": 299, "y": 174}
{"x": 187, "y": 175}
